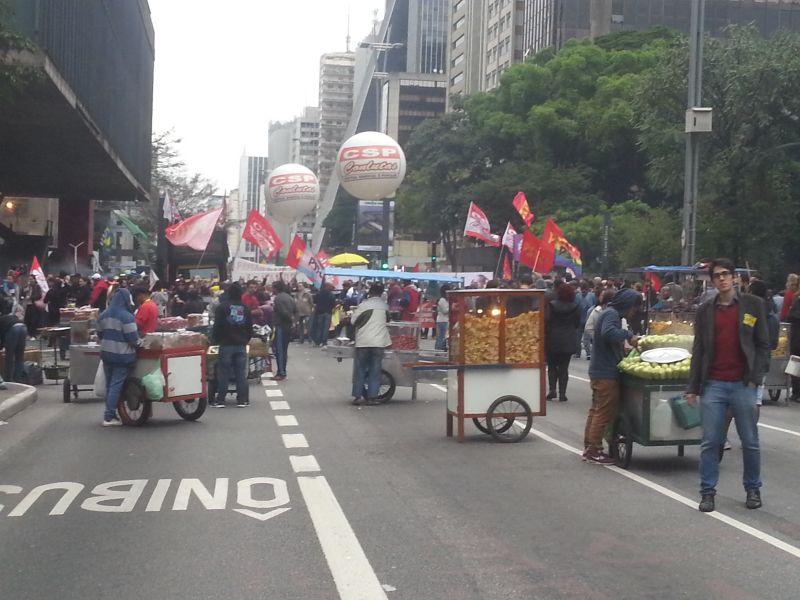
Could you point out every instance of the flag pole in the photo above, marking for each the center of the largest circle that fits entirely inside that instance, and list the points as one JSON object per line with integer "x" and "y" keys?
{"x": 499, "y": 258}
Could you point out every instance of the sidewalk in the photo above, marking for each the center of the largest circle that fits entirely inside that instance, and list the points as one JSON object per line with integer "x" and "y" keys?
{"x": 14, "y": 398}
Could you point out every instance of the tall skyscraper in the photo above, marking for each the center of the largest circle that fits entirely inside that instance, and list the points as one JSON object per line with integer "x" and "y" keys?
{"x": 252, "y": 176}
{"x": 466, "y": 43}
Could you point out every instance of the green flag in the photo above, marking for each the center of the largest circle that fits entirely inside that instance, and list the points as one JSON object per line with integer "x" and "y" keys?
{"x": 132, "y": 227}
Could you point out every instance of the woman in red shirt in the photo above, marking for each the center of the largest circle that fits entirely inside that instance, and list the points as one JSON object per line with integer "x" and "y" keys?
{"x": 147, "y": 314}
{"x": 792, "y": 285}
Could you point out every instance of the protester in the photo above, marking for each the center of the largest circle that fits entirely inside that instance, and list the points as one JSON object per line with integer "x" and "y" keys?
{"x": 585, "y": 299}
{"x": 116, "y": 329}
{"x": 730, "y": 357}
{"x": 442, "y": 318}
{"x": 410, "y": 301}
{"x": 324, "y": 303}
{"x": 372, "y": 336}
{"x": 793, "y": 317}
{"x": 13, "y": 334}
{"x": 231, "y": 331}
{"x": 99, "y": 295}
{"x": 305, "y": 308}
{"x": 284, "y": 316}
{"x": 147, "y": 311}
{"x": 562, "y": 321}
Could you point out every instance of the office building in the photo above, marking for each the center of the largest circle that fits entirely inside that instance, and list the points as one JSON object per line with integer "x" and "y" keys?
{"x": 252, "y": 175}
{"x": 336, "y": 71}
{"x": 408, "y": 100}
{"x": 466, "y": 45}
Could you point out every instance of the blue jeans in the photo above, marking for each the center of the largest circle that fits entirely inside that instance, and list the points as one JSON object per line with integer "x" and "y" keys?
{"x": 15, "y": 352}
{"x": 717, "y": 398}
{"x": 232, "y": 365}
{"x": 281, "y": 345}
{"x": 441, "y": 335}
{"x": 367, "y": 372}
{"x": 115, "y": 379}
{"x": 320, "y": 325}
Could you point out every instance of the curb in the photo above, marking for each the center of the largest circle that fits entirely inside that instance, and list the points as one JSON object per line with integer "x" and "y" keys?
{"x": 22, "y": 397}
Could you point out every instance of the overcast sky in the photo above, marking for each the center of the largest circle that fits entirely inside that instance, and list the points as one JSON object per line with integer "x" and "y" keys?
{"x": 225, "y": 69}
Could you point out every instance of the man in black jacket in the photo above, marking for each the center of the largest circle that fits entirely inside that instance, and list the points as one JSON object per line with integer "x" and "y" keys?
{"x": 232, "y": 330}
{"x": 730, "y": 357}
{"x": 283, "y": 318}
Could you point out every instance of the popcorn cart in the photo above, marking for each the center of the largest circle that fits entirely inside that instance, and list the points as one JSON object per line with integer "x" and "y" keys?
{"x": 777, "y": 379}
{"x": 497, "y": 353}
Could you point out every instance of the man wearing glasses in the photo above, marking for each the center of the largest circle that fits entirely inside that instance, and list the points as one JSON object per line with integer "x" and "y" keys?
{"x": 729, "y": 360}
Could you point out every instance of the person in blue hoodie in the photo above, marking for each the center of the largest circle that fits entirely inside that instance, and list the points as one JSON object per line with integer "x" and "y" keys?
{"x": 116, "y": 329}
{"x": 607, "y": 352}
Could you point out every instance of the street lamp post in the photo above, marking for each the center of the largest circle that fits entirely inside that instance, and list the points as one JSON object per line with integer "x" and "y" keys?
{"x": 692, "y": 162}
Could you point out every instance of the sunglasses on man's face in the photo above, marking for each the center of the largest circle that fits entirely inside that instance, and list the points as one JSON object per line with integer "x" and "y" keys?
{"x": 721, "y": 275}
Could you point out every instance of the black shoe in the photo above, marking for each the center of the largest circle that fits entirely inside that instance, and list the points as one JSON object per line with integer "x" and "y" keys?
{"x": 706, "y": 503}
{"x": 562, "y": 398}
{"x": 753, "y": 499}
{"x": 358, "y": 401}
{"x": 217, "y": 405}
{"x": 551, "y": 395}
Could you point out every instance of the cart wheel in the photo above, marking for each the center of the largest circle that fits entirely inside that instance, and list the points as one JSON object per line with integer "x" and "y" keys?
{"x": 191, "y": 410}
{"x": 774, "y": 395}
{"x": 509, "y": 419}
{"x": 133, "y": 406}
{"x": 386, "y": 391}
{"x": 480, "y": 423}
{"x": 67, "y": 391}
{"x": 621, "y": 445}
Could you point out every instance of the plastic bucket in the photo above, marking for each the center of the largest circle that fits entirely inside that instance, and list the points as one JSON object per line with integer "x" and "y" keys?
{"x": 793, "y": 366}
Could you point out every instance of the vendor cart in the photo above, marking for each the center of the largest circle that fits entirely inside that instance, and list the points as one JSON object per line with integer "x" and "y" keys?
{"x": 183, "y": 370}
{"x": 84, "y": 359}
{"x": 778, "y": 382}
{"x": 647, "y": 416}
{"x": 497, "y": 353}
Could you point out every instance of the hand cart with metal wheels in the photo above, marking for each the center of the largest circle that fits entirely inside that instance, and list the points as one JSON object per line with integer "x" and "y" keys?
{"x": 497, "y": 353}
{"x": 644, "y": 418}
{"x": 778, "y": 382}
{"x": 84, "y": 359}
{"x": 184, "y": 384}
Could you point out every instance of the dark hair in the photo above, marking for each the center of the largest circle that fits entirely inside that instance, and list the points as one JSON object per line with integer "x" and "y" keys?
{"x": 606, "y": 296}
{"x": 526, "y": 279}
{"x": 234, "y": 291}
{"x": 278, "y": 286}
{"x": 443, "y": 290}
{"x": 725, "y": 263}
{"x": 758, "y": 288}
{"x": 376, "y": 289}
{"x": 566, "y": 293}
{"x": 141, "y": 289}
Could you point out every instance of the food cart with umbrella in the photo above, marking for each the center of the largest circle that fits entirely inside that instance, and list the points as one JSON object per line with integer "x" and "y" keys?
{"x": 347, "y": 259}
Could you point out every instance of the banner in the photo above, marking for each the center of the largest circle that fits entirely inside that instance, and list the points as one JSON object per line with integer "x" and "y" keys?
{"x": 194, "y": 232}
{"x": 477, "y": 226}
{"x": 554, "y": 237}
{"x": 508, "y": 237}
{"x": 536, "y": 254}
{"x": 324, "y": 260}
{"x": 306, "y": 263}
{"x": 521, "y": 204}
{"x": 258, "y": 231}
{"x": 38, "y": 275}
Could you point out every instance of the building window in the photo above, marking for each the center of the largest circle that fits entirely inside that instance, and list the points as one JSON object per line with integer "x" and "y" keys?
{"x": 459, "y": 41}
{"x": 457, "y": 60}
{"x": 458, "y": 24}
{"x": 457, "y": 79}
{"x": 459, "y": 5}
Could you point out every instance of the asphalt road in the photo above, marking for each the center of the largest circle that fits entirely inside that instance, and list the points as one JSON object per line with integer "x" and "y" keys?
{"x": 302, "y": 496}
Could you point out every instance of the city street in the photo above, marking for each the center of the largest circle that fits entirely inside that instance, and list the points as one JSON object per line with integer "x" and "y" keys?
{"x": 303, "y": 496}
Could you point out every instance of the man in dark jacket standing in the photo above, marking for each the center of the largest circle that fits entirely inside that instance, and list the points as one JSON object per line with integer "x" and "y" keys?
{"x": 232, "y": 330}
{"x": 730, "y": 357}
{"x": 561, "y": 323}
{"x": 283, "y": 318}
{"x": 607, "y": 351}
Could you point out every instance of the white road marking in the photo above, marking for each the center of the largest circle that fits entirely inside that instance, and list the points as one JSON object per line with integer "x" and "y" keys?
{"x": 286, "y": 420}
{"x": 580, "y": 378}
{"x": 157, "y": 499}
{"x": 279, "y": 405}
{"x": 441, "y": 388}
{"x": 268, "y": 382}
{"x": 294, "y": 440}
{"x": 743, "y": 527}
{"x": 781, "y": 429}
{"x": 354, "y": 577}
{"x": 274, "y": 393}
{"x": 304, "y": 464}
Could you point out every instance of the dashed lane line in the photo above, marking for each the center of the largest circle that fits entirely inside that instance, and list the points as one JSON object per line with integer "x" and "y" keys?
{"x": 286, "y": 421}
{"x": 294, "y": 440}
{"x": 268, "y": 383}
{"x": 273, "y": 393}
{"x": 781, "y": 429}
{"x": 735, "y": 523}
{"x": 304, "y": 464}
{"x": 279, "y": 405}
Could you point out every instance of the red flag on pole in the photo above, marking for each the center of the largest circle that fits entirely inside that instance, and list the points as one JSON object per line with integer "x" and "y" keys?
{"x": 194, "y": 232}
{"x": 521, "y": 204}
{"x": 259, "y": 232}
{"x": 38, "y": 275}
{"x": 477, "y": 226}
{"x": 536, "y": 254}
{"x": 296, "y": 252}
{"x": 507, "y": 268}
{"x": 654, "y": 281}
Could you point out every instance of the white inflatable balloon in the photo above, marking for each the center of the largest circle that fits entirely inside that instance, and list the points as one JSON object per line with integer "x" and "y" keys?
{"x": 371, "y": 165}
{"x": 292, "y": 192}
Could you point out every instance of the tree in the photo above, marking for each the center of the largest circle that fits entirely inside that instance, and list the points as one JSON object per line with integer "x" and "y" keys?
{"x": 14, "y": 76}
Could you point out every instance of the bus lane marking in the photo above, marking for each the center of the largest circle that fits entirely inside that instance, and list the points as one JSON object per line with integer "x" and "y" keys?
{"x": 304, "y": 464}
{"x": 273, "y": 393}
{"x": 279, "y": 405}
{"x": 286, "y": 421}
{"x": 294, "y": 440}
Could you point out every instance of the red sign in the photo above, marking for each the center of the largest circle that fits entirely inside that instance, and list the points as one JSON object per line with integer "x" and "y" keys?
{"x": 360, "y": 152}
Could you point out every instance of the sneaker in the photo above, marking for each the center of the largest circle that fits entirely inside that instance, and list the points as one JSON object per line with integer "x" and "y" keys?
{"x": 112, "y": 423}
{"x": 584, "y": 455}
{"x": 726, "y": 445}
{"x": 358, "y": 401}
{"x": 551, "y": 395}
{"x": 707, "y": 503}
{"x": 753, "y": 499}
{"x": 562, "y": 398}
{"x": 217, "y": 405}
{"x": 598, "y": 457}
{"x": 242, "y": 404}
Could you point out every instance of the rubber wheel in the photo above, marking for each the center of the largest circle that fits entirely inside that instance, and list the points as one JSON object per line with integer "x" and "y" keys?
{"x": 191, "y": 410}
{"x": 387, "y": 388}
{"x": 133, "y": 406}
{"x": 509, "y": 419}
{"x": 480, "y": 423}
{"x": 774, "y": 395}
{"x": 67, "y": 389}
{"x": 621, "y": 446}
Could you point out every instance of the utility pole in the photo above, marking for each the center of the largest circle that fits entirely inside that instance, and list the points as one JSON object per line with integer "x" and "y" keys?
{"x": 692, "y": 164}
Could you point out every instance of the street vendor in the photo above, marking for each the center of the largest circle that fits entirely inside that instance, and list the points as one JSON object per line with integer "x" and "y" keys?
{"x": 147, "y": 311}
{"x": 372, "y": 336}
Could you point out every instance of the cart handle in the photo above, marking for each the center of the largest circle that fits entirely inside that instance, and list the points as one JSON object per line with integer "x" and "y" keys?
{"x": 457, "y": 367}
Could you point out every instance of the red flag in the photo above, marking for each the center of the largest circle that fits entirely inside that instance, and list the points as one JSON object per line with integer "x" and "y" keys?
{"x": 554, "y": 236}
{"x": 296, "y": 252}
{"x": 654, "y": 280}
{"x": 195, "y": 231}
{"x": 38, "y": 275}
{"x": 477, "y": 226}
{"x": 306, "y": 263}
{"x": 507, "y": 268}
{"x": 415, "y": 268}
{"x": 521, "y": 204}
{"x": 536, "y": 254}
{"x": 260, "y": 232}
{"x": 324, "y": 260}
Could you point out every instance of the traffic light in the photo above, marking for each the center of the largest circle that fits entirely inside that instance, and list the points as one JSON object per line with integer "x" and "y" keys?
{"x": 434, "y": 258}
{"x": 385, "y": 265}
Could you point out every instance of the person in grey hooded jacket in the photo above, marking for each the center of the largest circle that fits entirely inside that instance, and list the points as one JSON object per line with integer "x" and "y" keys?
{"x": 607, "y": 351}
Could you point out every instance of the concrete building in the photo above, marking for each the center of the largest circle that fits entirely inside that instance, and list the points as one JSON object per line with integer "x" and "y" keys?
{"x": 466, "y": 43}
{"x": 252, "y": 175}
{"x": 503, "y": 41}
{"x": 409, "y": 99}
{"x": 279, "y": 143}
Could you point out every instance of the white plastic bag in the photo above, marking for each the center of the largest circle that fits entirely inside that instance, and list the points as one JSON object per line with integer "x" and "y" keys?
{"x": 100, "y": 382}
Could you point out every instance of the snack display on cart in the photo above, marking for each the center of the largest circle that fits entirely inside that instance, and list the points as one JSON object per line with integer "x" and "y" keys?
{"x": 404, "y": 335}
{"x": 523, "y": 339}
{"x": 171, "y": 323}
